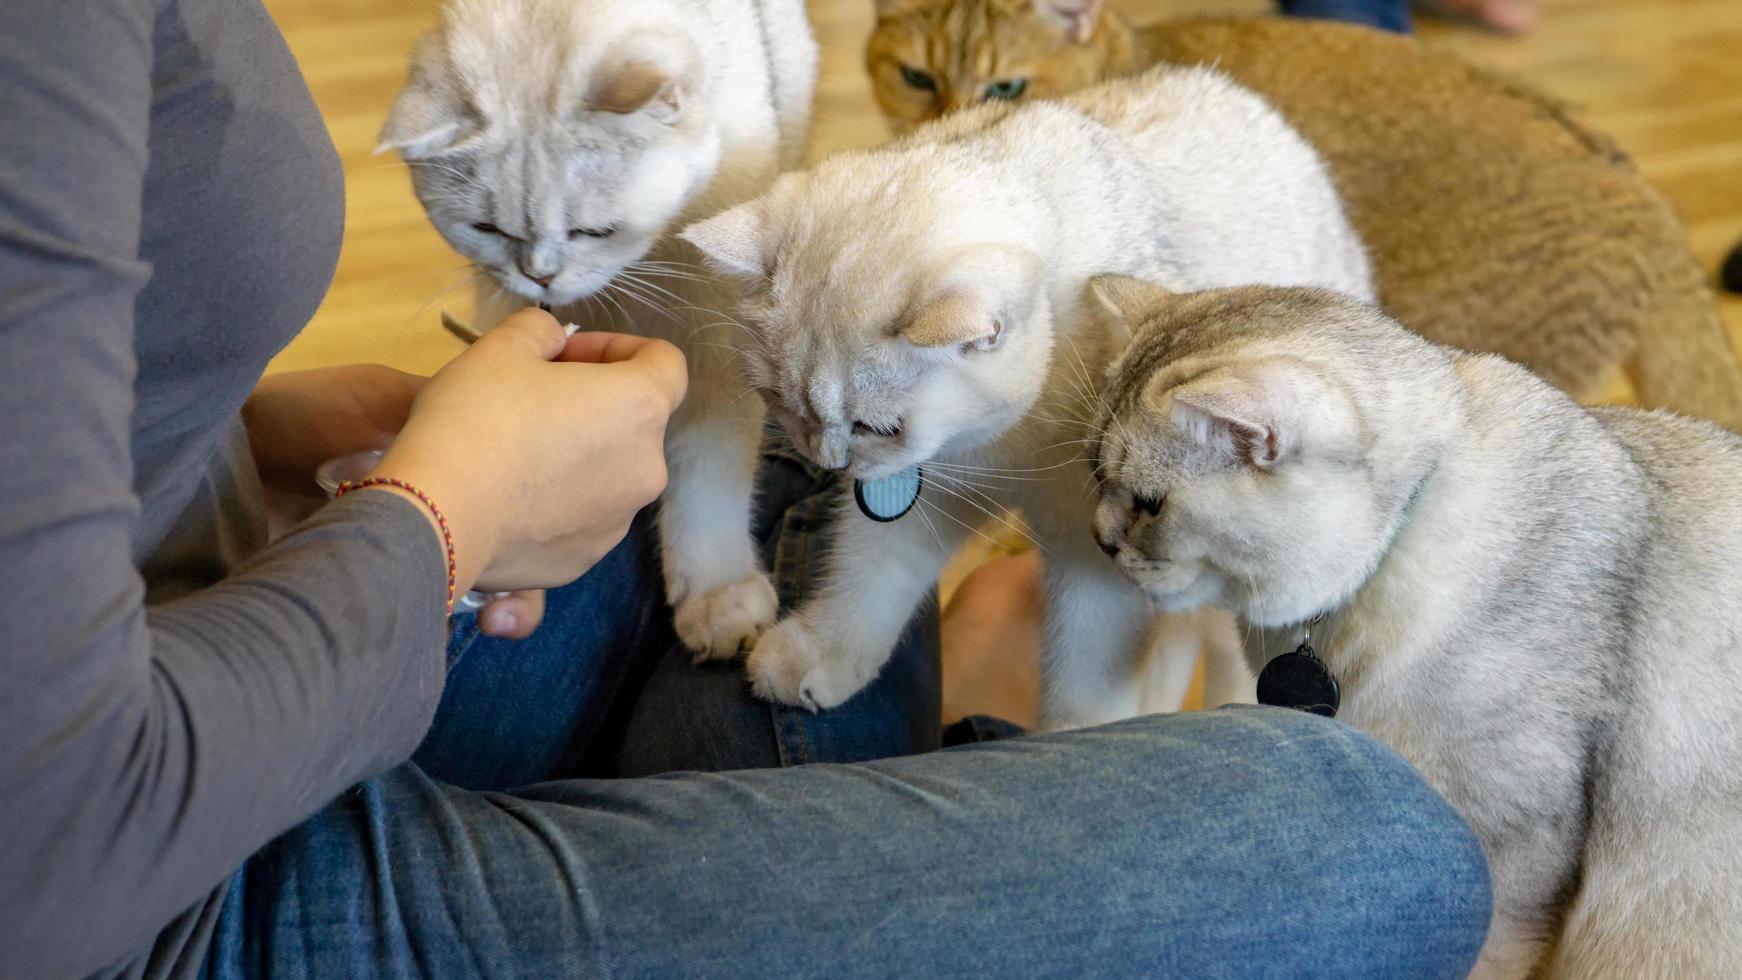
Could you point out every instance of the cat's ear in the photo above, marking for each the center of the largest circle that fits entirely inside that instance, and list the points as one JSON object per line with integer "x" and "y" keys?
{"x": 1229, "y": 411}
{"x": 735, "y": 242}
{"x": 430, "y": 116}
{"x": 957, "y": 317}
{"x": 1123, "y": 302}
{"x": 647, "y": 74}
{"x": 637, "y": 87}
{"x": 983, "y": 294}
{"x": 1076, "y": 18}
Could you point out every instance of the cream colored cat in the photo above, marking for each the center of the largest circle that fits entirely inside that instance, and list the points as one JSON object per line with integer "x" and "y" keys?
{"x": 554, "y": 143}
{"x": 920, "y": 304}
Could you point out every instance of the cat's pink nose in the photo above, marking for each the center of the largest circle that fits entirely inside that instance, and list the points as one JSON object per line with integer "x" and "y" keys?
{"x": 541, "y": 280}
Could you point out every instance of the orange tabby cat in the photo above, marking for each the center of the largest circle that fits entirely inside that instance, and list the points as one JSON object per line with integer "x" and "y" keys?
{"x": 927, "y": 58}
{"x": 1494, "y": 220}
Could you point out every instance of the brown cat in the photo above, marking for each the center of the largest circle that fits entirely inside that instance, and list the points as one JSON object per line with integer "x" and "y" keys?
{"x": 1494, "y": 220}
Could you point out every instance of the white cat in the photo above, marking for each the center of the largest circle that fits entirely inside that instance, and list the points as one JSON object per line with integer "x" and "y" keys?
{"x": 919, "y": 303}
{"x": 1538, "y": 605}
{"x": 554, "y": 142}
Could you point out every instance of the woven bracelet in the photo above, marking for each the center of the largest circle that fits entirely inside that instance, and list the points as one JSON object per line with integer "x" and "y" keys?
{"x": 441, "y": 521}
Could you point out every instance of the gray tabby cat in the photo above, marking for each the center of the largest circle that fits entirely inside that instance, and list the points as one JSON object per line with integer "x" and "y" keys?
{"x": 554, "y": 143}
{"x": 1537, "y": 604}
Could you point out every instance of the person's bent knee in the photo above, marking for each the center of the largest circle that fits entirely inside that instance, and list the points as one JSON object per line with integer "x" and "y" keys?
{"x": 1325, "y": 841}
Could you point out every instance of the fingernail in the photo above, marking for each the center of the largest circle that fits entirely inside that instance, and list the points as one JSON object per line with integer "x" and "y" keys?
{"x": 501, "y": 622}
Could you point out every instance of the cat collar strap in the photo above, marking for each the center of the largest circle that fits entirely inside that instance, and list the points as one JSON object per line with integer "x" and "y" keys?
{"x": 1300, "y": 680}
{"x": 891, "y": 497}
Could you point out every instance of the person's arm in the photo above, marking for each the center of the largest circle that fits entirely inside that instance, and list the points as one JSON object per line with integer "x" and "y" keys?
{"x": 144, "y": 755}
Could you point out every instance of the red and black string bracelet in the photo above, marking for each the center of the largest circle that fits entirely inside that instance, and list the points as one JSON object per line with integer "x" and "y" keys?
{"x": 441, "y": 521}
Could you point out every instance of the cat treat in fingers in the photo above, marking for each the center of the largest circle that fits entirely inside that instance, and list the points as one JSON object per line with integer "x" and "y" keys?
{"x": 919, "y": 308}
{"x": 1537, "y": 604}
{"x": 555, "y": 143}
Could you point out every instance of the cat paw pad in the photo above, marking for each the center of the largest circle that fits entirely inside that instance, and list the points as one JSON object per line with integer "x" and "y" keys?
{"x": 724, "y": 621}
{"x": 792, "y": 665}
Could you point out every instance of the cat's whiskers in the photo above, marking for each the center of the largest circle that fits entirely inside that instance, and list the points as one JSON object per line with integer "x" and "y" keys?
{"x": 444, "y": 292}
{"x": 626, "y": 321}
{"x": 1085, "y": 386}
{"x": 1007, "y": 472}
{"x": 699, "y": 328}
{"x": 660, "y": 269}
{"x": 633, "y": 290}
{"x": 981, "y": 472}
{"x": 965, "y": 494}
{"x": 628, "y": 275}
{"x": 962, "y": 480}
{"x": 971, "y": 529}
{"x": 700, "y": 270}
{"x": 1068, "y": 422}
{"x": 920, "y": 512}
{"x": 1059, "y": 444}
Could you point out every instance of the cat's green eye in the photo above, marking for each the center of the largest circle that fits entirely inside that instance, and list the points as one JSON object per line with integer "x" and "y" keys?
{"x": 918, "y": 79}
{"x": 606, "y": 232}
{"x": 1009, "y": 88}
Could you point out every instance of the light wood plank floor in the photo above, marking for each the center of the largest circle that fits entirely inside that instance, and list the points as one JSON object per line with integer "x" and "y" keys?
{"x": 1664, "y": 76}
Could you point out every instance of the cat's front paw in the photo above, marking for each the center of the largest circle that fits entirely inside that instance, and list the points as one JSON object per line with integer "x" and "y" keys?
{"x": 724, "y": 621}
{"x": 793, "y": 664}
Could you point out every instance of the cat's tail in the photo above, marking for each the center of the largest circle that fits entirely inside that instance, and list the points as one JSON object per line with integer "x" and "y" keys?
{"x": 1687, "y": 363}
{"x": 1628, "y": 291}
{"x": 1683, "y": 357}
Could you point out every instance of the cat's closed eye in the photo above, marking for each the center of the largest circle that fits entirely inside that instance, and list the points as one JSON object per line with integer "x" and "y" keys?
{"x": 605, "y": 232}
{"x": 886, "y": 430}
{"x": 918, "y": 79}
{"x": 490, "y": 229}
{"x": 1009, "y": 88}
{"x": 1148, "y": 505}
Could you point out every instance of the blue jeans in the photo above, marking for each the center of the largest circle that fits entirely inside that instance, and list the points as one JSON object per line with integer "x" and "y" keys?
{"x": 1386, "y": 15}
{"x": 588, "y": 803}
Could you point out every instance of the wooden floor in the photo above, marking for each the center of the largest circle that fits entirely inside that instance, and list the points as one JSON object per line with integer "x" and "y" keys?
{"x": 1664, "y": 76}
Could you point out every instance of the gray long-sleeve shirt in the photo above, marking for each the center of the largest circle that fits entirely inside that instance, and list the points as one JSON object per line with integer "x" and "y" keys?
{"x": 172, "y": 693}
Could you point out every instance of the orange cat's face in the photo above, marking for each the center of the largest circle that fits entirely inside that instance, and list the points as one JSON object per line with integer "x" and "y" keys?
{"x": 927, "y": 57}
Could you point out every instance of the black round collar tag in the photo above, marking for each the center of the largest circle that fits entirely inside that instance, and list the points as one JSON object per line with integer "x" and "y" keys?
{"x": 1300, "y": 680}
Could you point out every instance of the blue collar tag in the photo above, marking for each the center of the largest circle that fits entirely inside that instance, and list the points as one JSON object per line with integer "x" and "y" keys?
{"x": 891, "y": 497}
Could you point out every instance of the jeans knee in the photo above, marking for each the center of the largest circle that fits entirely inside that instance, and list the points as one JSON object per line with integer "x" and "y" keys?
{"x": 1424, "y": 871}
{"x": 1346, "y": 831}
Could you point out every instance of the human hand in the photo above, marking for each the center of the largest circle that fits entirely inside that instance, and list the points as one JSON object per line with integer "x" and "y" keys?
{"x": 513, "y": 616}
{"x": 540, "y": 450}
{"x": 300, "y": 419}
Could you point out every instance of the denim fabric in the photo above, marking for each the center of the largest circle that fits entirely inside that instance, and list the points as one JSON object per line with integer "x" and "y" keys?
{"x": 1386, "y": 15}
{"x": 604, "y": 688}
{"x": 1236, "y": 843}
